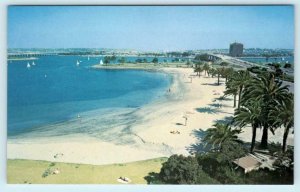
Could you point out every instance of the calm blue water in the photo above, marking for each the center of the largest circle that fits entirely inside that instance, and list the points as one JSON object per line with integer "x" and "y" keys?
{"x": 280, "y": 60}
{"x": 55, "y": 90}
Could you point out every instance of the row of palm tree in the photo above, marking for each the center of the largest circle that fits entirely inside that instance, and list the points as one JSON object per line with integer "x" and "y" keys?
{"x": 263, "y": 102}
{"x": 219, "y": 71}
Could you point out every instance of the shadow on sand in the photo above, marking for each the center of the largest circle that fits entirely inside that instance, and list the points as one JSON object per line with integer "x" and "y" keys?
{"x": 211, "y": 84}
{"x": 225, "y": 120}
{"x": 208, "y": 110}
{"x": 198, "y": 147}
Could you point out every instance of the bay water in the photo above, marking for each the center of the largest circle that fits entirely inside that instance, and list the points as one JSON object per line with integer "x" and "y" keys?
{"x": 55, "y": 90}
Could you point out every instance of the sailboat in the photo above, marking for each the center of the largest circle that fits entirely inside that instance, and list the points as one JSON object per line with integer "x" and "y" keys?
{"x": 88, "y": 58}
{"x": 77, "y": 63}
{"x": 28, "y": 65}
{"x": 33, "y": 63}
{"x": 101, "y": 62}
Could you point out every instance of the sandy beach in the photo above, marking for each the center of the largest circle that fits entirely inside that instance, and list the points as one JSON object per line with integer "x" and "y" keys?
{"x": 159, "y": 129}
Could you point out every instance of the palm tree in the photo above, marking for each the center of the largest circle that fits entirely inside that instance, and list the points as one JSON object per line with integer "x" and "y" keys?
{"x": 198, "y": 70}
{"x": 240, "y": 79}
{"x": 212, "y": 72}
{"x": 231, "y": 89}
{"x": 249, "y": 114}
{"x": 220, "y": 135}
{"x": 206, "y": 68}
{"x": 219, "y": 72}
{"x": 227, "y": 73}
{"x": 283, "y": 115}
{"x": 224, "y": 63}
{"x": 264, "y": 88}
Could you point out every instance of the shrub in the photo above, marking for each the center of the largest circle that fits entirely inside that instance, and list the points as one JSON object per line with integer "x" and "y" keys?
{"x": 287, "y": 65}
{"x": 184, "y": 170}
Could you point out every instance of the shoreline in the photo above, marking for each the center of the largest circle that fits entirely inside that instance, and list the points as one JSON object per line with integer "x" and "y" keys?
{"x": 148, "y": 136}
{"x": 23, "y": 59}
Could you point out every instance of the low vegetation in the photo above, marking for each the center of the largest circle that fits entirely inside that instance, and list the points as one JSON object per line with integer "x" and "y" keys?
{"x": 279, "y": 74}
{"x": 216, "y": 167}
{"x": 41, "y": 172}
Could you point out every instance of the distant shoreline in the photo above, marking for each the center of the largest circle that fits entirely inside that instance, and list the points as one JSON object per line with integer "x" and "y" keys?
{"x": 141, "y": 66}
{"x": 23, "y": 59}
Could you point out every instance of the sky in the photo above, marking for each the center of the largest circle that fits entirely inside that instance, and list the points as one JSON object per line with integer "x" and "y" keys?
{"x": 150, "y": 28}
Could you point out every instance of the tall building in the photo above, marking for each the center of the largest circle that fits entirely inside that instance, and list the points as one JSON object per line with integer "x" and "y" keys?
{"x": 236, "y": 49}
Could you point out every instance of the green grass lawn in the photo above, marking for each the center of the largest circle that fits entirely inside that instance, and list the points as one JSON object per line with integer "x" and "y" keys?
{"x": 31, "y": 172}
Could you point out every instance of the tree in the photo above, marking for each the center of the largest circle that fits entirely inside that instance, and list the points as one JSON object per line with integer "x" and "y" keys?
{"x": 227, "y": 73}
{"x": 219, "y": 72}
{"x": 201, "y": 57}
{"x": 283, "y": 115}
{"x": 240, "y": 79}
{"x": 106, "y": 60}
{"x": 122, "y": 60}
{"x": 270, "y": 92}
{"x": 186, "y": 54}
{"x": 220, "y": 135}
{"x": 155, "y": 60}
{"x": 188, "y": 63}
{"x": 224, "y": 64}
{"x": 231, "y": 88}
{"x": 113, "y": 58}
{"x": 198, "y": 70}
{"x": 206, "y": 68}
{"x": 212, "y": 71}
{"x": 249, "y": 114}
{"x": 287, "y": 65}
{"x": 183, "y": 170}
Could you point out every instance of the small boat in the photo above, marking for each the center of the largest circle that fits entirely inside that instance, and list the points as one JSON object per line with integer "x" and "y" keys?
{"x": 33, "y": 63}
{"x": 101, "y": 62}
{"x": 28, "y": 65}
{"x": 45, "y": 76}
{"x": 88, "y": 58}
{"x": 77, "y": 63}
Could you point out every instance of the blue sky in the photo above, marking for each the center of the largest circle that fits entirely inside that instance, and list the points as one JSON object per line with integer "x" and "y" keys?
{"x": 150, "y": 27}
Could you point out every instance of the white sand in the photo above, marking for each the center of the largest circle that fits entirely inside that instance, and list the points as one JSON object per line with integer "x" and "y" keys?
{"x": 149, "y": 136}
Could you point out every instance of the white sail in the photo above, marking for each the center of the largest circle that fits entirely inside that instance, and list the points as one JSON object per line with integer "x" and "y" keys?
{"x": 88, "y": 58}
{"x": 33, "y": 63}
{"x": 101, "y": 62}
{"x": 28, "y": 65}
{"x": 77, "y": 63}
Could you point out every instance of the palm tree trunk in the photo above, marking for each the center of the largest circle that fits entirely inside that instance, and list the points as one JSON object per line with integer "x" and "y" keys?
{"x": 218, "y": 79}
{"x": 285, "y": 135}
{"x": 240, "y": 95}
{"x": 264, "y": 138}
{"x": 234, "y": 100}
{"x": 253, "y": 138}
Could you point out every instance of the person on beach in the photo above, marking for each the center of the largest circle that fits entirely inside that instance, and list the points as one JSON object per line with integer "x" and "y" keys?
{"x": 185, "y": 118}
